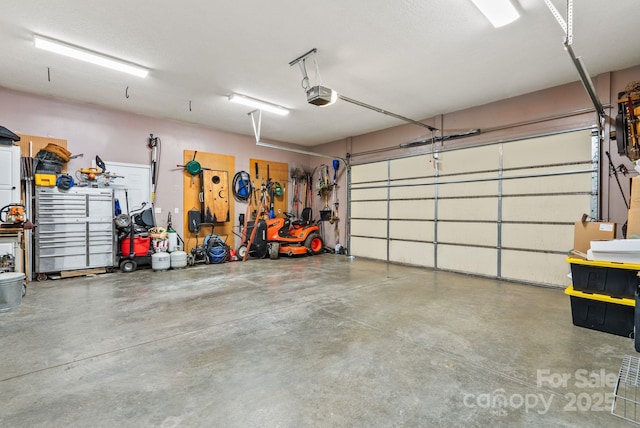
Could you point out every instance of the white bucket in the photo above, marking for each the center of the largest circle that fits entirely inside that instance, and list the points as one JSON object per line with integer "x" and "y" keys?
{"x": 160, "y": 261}
{"x": 178, "y": 260}
{"x": 10, "y": 290}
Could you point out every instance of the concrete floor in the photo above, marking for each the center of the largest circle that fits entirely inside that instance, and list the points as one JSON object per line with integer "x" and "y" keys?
{"x": 319, "y": 341}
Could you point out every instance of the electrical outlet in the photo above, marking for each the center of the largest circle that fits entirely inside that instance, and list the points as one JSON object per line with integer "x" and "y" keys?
{"x": 158, "y": 210}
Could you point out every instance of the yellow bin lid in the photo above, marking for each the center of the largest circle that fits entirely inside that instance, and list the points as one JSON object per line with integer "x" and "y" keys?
{"x": 569, "y": 291}
{"x": 601, "y": 263}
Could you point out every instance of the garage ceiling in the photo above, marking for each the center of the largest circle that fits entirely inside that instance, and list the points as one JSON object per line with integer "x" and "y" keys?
{"x": 416, "y": 58}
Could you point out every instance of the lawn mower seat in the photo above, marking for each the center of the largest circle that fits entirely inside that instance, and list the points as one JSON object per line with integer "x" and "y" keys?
{"x": 305, "y": 218}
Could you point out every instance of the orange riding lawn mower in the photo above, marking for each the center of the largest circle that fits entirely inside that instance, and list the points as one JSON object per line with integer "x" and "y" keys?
{"x": 286, "y": 236}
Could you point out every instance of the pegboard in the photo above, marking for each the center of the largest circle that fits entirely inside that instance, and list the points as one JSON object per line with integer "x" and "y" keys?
{"x": 193, "y": 185}
{"x": 261, "y": 171}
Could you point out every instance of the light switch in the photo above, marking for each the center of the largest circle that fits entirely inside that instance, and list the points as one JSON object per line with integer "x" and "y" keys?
{"x": 177, "y": 210}
{"x": 158, "y": 210}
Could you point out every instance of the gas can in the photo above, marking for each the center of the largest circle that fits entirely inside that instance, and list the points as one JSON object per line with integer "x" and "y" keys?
{"x": 178, "y": 259}
{"x": 160, "y": 261}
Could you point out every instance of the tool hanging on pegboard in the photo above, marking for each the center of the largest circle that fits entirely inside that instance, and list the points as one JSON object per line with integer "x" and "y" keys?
{"x": 627, "y": 132}
{"x": 613, "y": 170}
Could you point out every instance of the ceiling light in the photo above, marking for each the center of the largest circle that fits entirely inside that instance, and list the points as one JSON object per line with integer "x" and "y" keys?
{"x": 498, "y": 12}
{"x": 88, "y": 56}
{"x": 259, "y": 104}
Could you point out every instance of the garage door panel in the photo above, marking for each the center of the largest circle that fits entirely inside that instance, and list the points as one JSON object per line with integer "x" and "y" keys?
{"x": 468, "y": 160}
{"x": 553, "y": 149}
{"x": 468, "y": 209}
{"x": 376, "y": 209}
{"x": 547, "y": 170}
{"x": 422, "y": 209}
{"x": 415, "y": 166}
{"x": 370, "y": 172}
{"x": 482, "y": 261}
{"x": 368, "y": 194}
{"x": 424, "y": 191}
{"x": 568, "y": 184}
{"x": 412, "y": 230}
{"x": 370, "y": 248}
{"x": 412, "y": 253}
{"x": 545, "y": 237}
{"x": 538, "y": 268}
{"x": 468, "y": 233}
{"x": 480, "y": 188}
{"x": 370, "y": 228}
{"x": 426, "y": 181}
{"x": 545, "y": 208}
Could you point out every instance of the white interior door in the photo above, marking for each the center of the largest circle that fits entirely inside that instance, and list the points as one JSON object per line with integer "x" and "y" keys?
{"x": 135, "y": 184}
{"x": 9, "y": 175}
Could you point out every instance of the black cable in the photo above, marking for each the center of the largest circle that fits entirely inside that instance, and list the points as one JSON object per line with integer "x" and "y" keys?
{"x": 242, "y": 186}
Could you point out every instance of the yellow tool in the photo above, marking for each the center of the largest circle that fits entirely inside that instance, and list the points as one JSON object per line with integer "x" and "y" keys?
{"x": 90, "y": 173}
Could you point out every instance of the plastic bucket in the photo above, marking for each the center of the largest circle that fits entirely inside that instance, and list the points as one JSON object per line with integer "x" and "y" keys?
{"x": 10, "y": 290}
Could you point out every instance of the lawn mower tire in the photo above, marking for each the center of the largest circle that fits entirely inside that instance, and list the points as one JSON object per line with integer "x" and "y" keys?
{"x": 314, "y": 244}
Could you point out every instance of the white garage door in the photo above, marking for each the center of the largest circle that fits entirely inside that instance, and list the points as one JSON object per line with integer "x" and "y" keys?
{"x": 503, "y": 210}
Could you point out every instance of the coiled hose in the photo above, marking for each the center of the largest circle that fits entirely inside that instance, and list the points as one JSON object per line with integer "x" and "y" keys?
{"x": 217, "y": 250}
{"x": 242, "y": 186}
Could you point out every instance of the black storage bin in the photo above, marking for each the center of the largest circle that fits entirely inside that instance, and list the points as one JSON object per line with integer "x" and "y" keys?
{"x": 603, "y": 316}
{"x": 614, "y": 282}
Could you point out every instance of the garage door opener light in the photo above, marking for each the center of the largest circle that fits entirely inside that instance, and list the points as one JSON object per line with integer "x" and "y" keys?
{"x": 322, "y": 96}
{"x": 88, "y": 56}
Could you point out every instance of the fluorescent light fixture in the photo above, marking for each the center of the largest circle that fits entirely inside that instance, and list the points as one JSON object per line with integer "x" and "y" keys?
{"x": 258, "y": 104}
{"x": 498, "y": 12}
{"x": 88, "y": 56}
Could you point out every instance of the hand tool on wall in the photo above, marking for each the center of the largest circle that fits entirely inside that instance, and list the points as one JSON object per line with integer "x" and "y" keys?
{"x": 201, "y": 196}
{"x": 334, "y": 190}
{"x": 272, "y": 214}
{"x": 154, "y": 144}
{"x": 193, "y": 167}
{"x": 634, "y": 145}
{"x": 613, "y": 169}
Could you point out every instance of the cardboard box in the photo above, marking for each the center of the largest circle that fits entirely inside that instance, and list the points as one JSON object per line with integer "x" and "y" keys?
{"x": 633, "y": 223}
{"x": 585, "y": 232}
{"x": 635, "y": 193}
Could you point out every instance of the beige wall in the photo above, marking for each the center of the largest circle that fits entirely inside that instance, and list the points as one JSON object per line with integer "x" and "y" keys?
{"x": 122, "y": 137}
